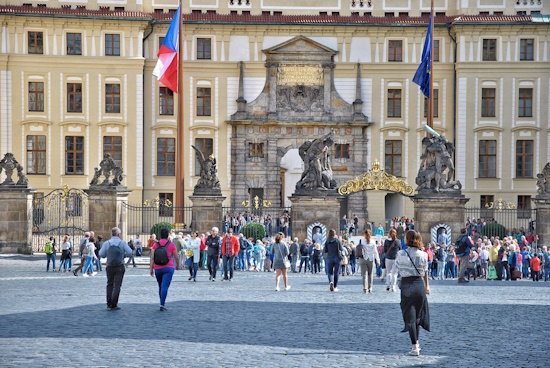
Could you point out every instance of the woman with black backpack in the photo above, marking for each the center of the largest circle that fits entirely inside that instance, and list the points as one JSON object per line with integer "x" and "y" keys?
{"x": 163, "y": 254}
{"x": 391, "y": 247}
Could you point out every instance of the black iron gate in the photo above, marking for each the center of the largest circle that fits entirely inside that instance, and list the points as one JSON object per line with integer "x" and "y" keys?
{"x": 63, "y": 211}
{"x": 500, "y": 221}
{"x": 271, "y": 219}
{"x": 142, "y": 218}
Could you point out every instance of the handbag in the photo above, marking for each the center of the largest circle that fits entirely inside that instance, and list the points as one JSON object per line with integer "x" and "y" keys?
{"x": 399, "y": 281}
{"x": 286, "y": 262}
{"x": 189, "y": 253}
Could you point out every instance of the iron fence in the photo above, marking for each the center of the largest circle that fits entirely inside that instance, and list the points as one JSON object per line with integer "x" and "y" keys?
{"x": 259, "y": 222}
{"x": 501, "y": 222}
{"x": 142, "y": 218}
{"x": 62, "y": 211}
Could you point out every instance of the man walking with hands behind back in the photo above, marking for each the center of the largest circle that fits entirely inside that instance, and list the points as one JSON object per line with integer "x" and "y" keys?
{"x": 115, "y": 249}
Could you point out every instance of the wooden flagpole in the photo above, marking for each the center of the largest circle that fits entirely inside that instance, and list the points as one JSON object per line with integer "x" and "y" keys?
{"x": 180, "y": 137}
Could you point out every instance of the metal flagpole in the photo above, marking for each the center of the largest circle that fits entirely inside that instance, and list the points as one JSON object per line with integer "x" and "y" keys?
{"x": 180, "y": 138}
{"x": 431, "y": 99}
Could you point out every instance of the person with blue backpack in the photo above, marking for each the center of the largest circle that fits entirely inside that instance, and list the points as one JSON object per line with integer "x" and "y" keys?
{"x": 115, "y": 249}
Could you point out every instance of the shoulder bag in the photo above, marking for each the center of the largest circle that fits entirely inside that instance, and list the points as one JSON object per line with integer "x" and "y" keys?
{"x": 286, "y": 262}
{"x": 399, "y": 282}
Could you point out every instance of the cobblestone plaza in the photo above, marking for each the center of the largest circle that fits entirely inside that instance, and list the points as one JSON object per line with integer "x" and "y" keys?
{"x": 51, "y": 319}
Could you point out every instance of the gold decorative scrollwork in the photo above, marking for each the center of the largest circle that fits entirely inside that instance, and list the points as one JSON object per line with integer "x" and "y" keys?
{"x": 157, "y": 202}
{"x": 256, "y": 203}
{"x": 376, "y": 179}
{"x": 500, "y": 205}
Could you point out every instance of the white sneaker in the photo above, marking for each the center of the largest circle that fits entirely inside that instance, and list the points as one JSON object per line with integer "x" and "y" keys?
{"x": 95, "y": 273}
{"x": 335, "y": 289}
{"x": 393, "y": 289}
{"x": 414, "y": 352}
{"x": 331, "y": 286}
{"x": 277, "y": 288}
{"x": 85, "y": 275}
{"x": 287, "y": 287}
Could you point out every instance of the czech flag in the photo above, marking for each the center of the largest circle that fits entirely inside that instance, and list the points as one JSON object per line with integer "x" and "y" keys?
{"x": 166, "y": 69}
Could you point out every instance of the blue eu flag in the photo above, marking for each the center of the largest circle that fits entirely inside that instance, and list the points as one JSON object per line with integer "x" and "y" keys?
{"x": 424, "y": 73}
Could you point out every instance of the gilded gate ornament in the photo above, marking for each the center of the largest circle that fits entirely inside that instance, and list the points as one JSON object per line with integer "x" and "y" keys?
{"x": 376, "y": 179}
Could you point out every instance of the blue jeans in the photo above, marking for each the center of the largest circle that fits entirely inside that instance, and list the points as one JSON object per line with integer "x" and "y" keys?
{"x": 333, "y": 266}
{"x": 304, "y": 261}
{"x": 525, "y": 270}
{"x": 248, "y": 263}
{"x": 311, "y": 264}
{"x": 352, "y": 263}
{"x": 193, "y": 268}
{"x": 89, "y": 267}
{"x": 440, "y": 269}
{"x": 260, "y": 265}
{"x": 450, "y": 269}
{"x": 52, "y": 257}
{"x": 164, "y": 278}
{"x": 241, "y": 262}
{"x": 429, "y": 268}
{"x": 546, "y": 273}
{"x": 98, "y": 264}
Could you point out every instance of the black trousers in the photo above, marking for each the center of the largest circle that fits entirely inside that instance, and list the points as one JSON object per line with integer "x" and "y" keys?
{"x": 228, "y": 266}
{"x": 114, "y": 283}
{"x": 212, "y": 262}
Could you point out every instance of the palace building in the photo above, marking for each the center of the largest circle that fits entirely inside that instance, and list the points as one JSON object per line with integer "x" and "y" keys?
{"x": 261, "y": 77}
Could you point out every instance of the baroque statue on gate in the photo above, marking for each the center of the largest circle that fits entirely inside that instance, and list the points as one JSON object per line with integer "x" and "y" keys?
{"x": 436, "y": 173}
{"x": 8, "y": 164}
{"x": 317, "y": 167}
{"x": 543, "y": 181}
{"x": 208, "y": 181}
{"x": 107, "y": 167}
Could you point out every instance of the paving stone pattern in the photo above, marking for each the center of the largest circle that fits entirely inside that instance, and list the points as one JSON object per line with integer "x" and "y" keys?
{"x": 58, "y": 320}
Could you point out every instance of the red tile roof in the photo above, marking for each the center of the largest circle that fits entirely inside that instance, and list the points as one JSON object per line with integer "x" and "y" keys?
{"x": 262, "y": 19}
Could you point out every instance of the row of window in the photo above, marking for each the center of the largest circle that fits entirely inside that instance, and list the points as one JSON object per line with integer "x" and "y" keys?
{"x": 487, "y": 158}
{"x": 74, "y": 153}
{"x": 166, "y": 155}
{"x": 74, "y": 97}
{"x": 112, "y": 99}
{"x": 73, "y": 45}
{"x": 488, "y": 103}
{"x": 204, "y": 47}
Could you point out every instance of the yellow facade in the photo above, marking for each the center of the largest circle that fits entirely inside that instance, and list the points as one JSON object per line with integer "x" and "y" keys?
{"x": 461, "y": 77}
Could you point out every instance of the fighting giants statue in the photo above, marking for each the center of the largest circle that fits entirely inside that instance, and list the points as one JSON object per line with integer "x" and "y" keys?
{"x": 436, "y": 167}
{"x": 317, "y": 170}
{"x": 106, "y": 167}
{"x": 9, "y": 163}
{"x": 543, "y": 181}
{"x": 209, "y": 181}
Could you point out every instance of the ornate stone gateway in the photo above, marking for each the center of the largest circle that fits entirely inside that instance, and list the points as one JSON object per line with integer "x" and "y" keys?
{"x": 376, "y": 179}
{"x": 63, "y": 211}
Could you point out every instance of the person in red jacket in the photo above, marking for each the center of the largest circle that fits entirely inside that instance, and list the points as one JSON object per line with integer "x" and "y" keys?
{"x": 535, "y": 266}
{"x": 230, "y": 248}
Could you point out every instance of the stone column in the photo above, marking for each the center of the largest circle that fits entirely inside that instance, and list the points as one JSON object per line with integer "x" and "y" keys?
{"x": 318, "y": 207}
{"x": 16, "y": 220}
{"x": 207, "y": 212}
{"x": 543, "y": 218}
{"x": 433, "y": 209}
{"x": 106, "y": 210}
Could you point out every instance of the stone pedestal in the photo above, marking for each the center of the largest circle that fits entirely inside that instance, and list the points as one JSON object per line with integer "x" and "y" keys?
{"x": 542, "y": 225}
{"x": 106, "y": 210}
{"x": 207, "y": 212}
{"x": 435, "y": 209}
{"x": 321, "y": 206}
{"x": 16, "y": 220}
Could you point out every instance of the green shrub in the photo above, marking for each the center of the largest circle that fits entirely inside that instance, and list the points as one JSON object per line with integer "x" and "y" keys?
{"x": 493, "y": 229}
{"x": 253, "y": 230}
{"x": 161, "y": 225}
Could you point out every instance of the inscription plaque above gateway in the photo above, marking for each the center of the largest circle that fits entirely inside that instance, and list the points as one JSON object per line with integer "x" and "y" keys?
{"x": 300, "y": 75}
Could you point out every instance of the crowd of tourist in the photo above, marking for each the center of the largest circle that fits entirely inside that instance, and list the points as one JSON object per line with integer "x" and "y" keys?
{"x": 273, "y": 223}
